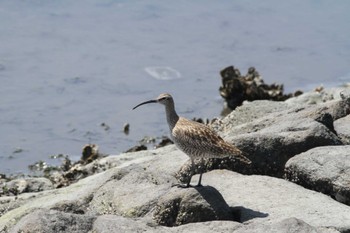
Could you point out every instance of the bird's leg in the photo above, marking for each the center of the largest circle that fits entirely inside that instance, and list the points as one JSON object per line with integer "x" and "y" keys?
{"x": 191, "y": 174}
{"x": 188, "y": 184}
{"x": 201, "y": 164}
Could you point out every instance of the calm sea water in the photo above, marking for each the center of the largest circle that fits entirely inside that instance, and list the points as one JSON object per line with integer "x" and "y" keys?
{"x": 66, "y": 67}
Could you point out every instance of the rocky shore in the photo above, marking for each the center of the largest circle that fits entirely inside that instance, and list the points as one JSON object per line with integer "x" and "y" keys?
{"x": 299, "y": 180}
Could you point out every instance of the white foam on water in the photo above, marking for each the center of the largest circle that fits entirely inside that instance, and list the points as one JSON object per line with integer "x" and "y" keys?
{"x": 163, "y": 72}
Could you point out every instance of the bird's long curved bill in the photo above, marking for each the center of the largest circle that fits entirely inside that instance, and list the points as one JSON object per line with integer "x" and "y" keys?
{"x": 147, "y": 102}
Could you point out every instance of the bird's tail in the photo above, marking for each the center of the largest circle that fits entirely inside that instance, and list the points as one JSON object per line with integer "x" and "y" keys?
{"x": 238, "y": 154}
{"x": 243, "y": 159}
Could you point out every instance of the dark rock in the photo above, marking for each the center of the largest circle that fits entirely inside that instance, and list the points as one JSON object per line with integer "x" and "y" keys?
{"x": 342, "y": 127}
{"x": 181, "y": 206}
{"x": 237, "y": 88}
{"x": 327, "y": 120}
{"x": 126, "y": 128}
{"x": 324, "y": 169}
{"x": 136, "y": 148}
{"x": 105, "y": 126}
{"x": 51, "y": 221}
{"x": 200, "y": 120}
{"x": 89, "y": 154}
{"x": 164, "y": 142}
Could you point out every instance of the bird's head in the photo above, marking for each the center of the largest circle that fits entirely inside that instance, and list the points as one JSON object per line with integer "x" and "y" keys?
{"x": 164, "y": 99}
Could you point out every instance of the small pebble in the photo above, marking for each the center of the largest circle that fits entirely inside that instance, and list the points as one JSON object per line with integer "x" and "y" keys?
{"x": 126, "y": 128}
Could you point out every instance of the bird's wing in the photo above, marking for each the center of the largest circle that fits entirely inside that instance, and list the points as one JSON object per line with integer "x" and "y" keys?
{"x": 191, "y": 134}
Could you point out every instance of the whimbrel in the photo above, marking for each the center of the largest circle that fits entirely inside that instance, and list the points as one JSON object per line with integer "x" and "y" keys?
{"x": 196, "y": 140}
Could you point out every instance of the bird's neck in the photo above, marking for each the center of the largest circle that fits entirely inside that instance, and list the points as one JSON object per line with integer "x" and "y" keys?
{"x": 171, "y": 115}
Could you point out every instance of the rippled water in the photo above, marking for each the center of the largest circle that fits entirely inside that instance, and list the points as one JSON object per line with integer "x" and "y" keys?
{"x": 66, "y": 67}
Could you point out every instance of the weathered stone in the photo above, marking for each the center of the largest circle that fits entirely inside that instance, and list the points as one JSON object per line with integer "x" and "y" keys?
{"x": 51, "y": 221}
{"x": 282, "y": 131}
{"x": 324, "y": 169}
{"x": 51, "y": 199}
{"x": 264, "y": 199}
{"x": 22, "y": 185}
{"x": 342, "y": 127}
{"x": 289, "y": 225}
{"x": 130, "y": 189}
{"x": 112, "y": 223}
{"x": 145, "y": 176}
{"x": 270, "y": 142}
{"x": 136, "y": 148}
{"x": 181, "y": 206}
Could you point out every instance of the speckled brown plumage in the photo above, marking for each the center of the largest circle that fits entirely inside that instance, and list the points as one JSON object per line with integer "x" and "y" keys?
{"x": 197, "y": 140}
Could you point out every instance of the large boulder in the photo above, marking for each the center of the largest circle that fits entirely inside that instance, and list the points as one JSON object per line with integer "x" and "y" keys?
{"x": 264, "y": 199}
{"x": 112, "y": 223}
{"x": 51, "y": 221}
{"x": 271, "y": 133}
{"x": 324, "y": 169}
{"x": 342, "y": 127}
{"x": 180, "y": 206}
{"x": 288, "y": 225}
{"x": 22, "y": 185}
{"x": 149, "y": 173}
{"x": 141, "y": 183}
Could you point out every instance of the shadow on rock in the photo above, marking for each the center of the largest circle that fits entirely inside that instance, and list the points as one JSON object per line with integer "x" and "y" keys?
{"x": 200, "y": 204}
{"x": 243, "y": 214}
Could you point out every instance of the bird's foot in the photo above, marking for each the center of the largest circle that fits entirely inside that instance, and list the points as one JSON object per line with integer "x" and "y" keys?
{"x": 187, "y": 186}
{"x": 182, "y": 185}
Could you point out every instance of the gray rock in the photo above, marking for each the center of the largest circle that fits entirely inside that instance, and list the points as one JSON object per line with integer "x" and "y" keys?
{"x": 289, "y": 225}
{"x": 112, "y": 223}
{"x": 282, "y": 131}
{"x": 26, "y": 203}
{"x": 145, "y": 175}
{"x": 318, "y": 97}
{"x": 51, "y": 221}
{"x": 133, "y": 187}
{"x": 263, "y": 203}
{"x": 309, "y": 104}
{"x": 342, "y": 127}
{"x": 324, "y": 169}
{"x": 271, "y": 147}
{"x": 28, "y": 185}
{"x": 263, "y": 199}
{"x": 181, "y": 206}
{"x": 271, "y": 141}
{"x": 248, "y": 112}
